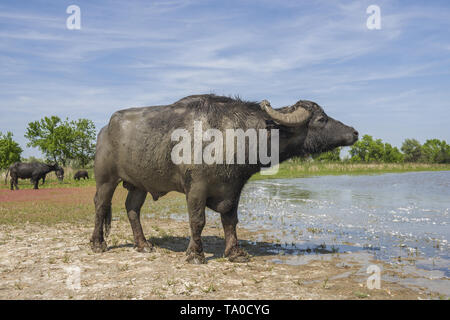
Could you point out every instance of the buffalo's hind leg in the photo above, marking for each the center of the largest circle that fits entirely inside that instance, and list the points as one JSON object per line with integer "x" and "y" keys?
{"x": 102, "y": 200}
{"x": 133, "y": 204}
{"x": 196, "y": 208}
{"x": 232, "y": 251}
{"x": 15, "y": 182}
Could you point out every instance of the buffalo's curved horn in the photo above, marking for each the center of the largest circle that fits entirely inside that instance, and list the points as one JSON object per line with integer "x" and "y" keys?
{"x": 293, "y": 119}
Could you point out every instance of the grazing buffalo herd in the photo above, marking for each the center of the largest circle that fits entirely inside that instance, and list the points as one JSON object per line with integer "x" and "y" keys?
{"x": 81, "y": 174}
{"x": 36, "y": 171}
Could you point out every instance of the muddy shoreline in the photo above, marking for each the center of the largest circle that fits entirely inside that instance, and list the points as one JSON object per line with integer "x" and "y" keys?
{"x": 41, "y": 262}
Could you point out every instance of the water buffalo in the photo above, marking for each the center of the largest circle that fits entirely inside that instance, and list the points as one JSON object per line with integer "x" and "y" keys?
{"x": 33, "y": 171}
{"x": 136, "y": 148}
{"x": 81, "y": 174}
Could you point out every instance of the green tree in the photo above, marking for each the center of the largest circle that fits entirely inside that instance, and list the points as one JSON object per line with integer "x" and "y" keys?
{"x": 436, "y": 151}
{"x": 412, "y": 150}
{"x": 84, "y": 141}
{"x": 367, "y": 150}
{"x": 392, "y": 154}
{"x": 53, "y": 137}
{"x": 329, "y": 156}
{"x": 10, "y": 150}
{"x": 62, "y": 141}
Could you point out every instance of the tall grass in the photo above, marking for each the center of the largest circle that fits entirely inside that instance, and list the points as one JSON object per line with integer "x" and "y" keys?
{"x": 305, "y": 169}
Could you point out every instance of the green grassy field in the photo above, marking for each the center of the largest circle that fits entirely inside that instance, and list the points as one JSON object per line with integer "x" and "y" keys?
{"x": 50, "y": 206}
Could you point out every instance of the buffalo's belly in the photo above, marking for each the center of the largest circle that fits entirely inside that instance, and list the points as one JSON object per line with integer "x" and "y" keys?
{"x": 24, "y": 175}
{"x": 150, "y": 180}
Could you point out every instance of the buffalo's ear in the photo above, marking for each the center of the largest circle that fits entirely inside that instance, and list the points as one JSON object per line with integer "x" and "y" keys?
{"x": 270, "y": 124}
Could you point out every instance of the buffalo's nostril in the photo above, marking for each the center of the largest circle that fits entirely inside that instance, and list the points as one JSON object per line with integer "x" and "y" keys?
{"x": 355, "y": 133}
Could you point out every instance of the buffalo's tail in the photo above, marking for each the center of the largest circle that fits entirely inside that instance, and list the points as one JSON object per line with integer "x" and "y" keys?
{"x": 6, "y": 176}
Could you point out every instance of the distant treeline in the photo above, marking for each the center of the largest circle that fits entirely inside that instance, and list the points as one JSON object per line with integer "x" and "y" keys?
{"x": 367, "y": 150}
{"x": 73, "y": 143}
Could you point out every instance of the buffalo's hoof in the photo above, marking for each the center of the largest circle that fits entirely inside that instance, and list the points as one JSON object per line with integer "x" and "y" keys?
{"x": 238, "y": 255}
{"x": 98, "y": 247}
{"x": 146, "y": 248}
{"x": 196, "y": 258}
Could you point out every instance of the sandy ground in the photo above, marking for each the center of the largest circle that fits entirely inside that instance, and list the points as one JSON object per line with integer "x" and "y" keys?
{"x": 43, "y": 262}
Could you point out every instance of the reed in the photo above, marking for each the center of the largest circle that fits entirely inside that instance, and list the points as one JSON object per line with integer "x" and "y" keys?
{"x": 305, "y": 169}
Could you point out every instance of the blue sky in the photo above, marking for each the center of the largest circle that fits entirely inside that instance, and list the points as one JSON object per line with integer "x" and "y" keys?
{"x": 392, "y": 83}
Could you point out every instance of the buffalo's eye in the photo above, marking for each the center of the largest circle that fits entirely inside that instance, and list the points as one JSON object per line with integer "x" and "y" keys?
{"x": 322, "y": 119}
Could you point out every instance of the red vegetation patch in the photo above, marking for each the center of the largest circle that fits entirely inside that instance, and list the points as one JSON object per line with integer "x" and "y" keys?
{"x": 44, "y": 194}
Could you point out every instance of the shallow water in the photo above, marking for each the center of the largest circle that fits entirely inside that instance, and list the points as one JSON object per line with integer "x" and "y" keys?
{"x": 392, "y": 216}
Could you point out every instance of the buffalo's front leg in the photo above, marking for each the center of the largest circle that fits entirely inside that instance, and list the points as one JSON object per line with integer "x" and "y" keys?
{"x": 196, "y": 208}
{"x": 134, "y": 202}
{"x": 232, "y": 251}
